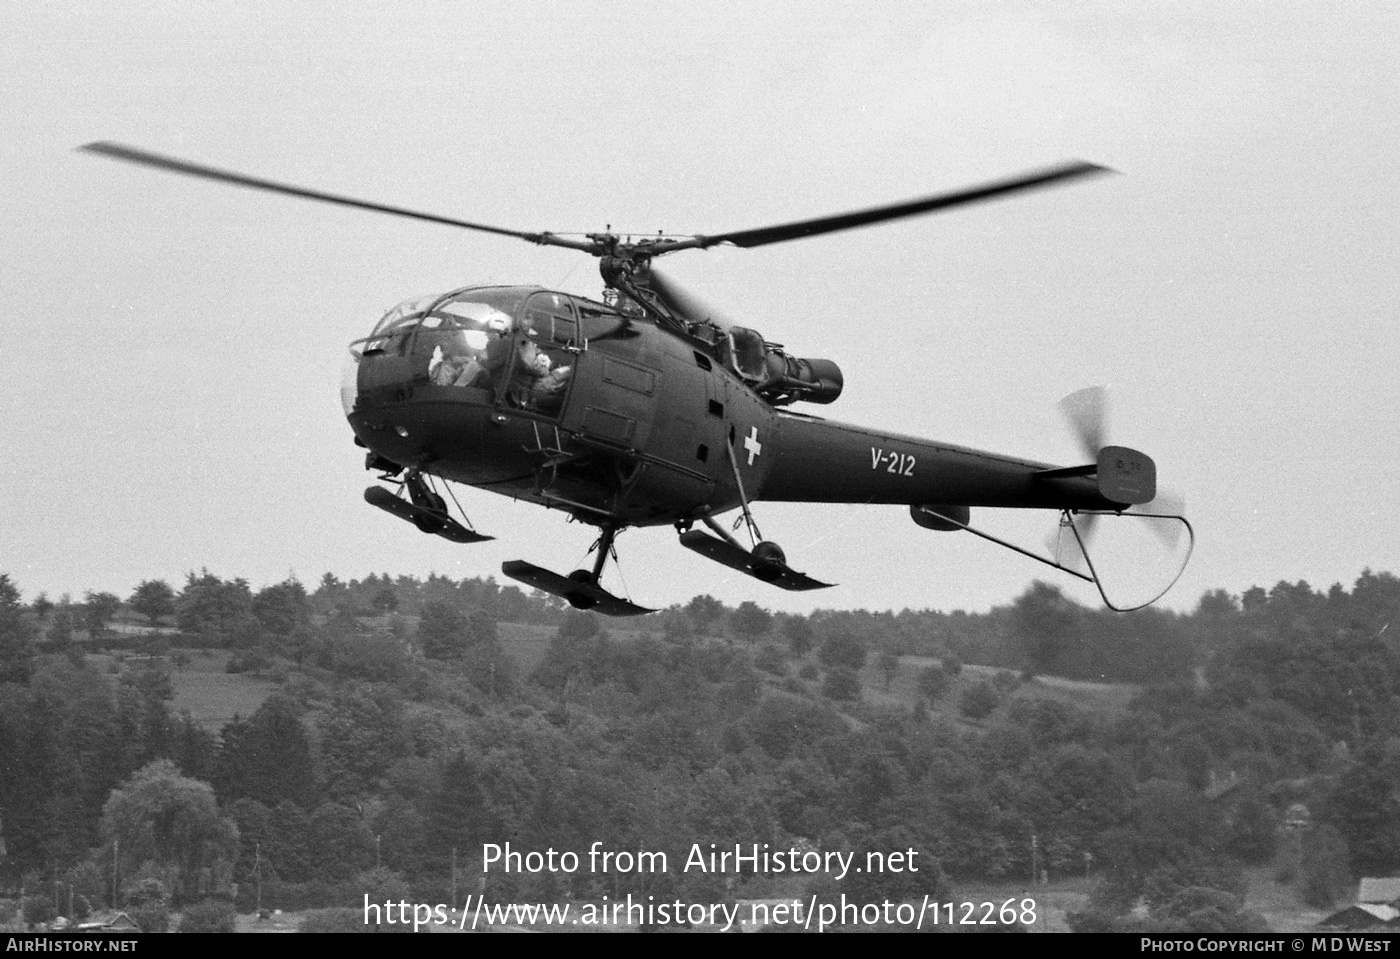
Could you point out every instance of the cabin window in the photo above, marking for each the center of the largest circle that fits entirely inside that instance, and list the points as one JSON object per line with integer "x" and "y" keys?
{"x": 546, "y": 350}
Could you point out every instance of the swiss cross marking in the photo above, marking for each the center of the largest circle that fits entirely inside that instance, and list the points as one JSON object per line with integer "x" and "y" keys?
{"x": 752, "y": 444}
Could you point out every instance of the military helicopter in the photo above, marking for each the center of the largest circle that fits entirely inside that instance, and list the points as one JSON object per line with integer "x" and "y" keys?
{"x": 645, "y": 408}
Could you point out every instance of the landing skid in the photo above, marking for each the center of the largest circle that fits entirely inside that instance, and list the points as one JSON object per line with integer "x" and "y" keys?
{"x": 578, "y": 592}
{"x": 765, "y": 562}
{"x": 736, "y": 557}
{"x": 427, "y": 520}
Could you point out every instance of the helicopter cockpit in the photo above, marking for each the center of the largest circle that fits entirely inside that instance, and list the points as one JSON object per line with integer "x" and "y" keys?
{"x": 508, "y": 345}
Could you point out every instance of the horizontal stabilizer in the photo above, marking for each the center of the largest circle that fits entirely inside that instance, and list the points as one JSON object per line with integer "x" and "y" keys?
{"x": 429, "y": 521}
{"x": 578, "y": 593}
{"x": 735, "y": 557}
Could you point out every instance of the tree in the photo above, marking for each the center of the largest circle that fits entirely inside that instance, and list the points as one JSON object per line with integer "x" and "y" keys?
{"x": 16, "y": 635}
{"x": 704, "y": 611}
{"x": 162, "y": 817}
{"x": 979, "y": 700}
{"x": 154, "y": 599}
{"x": 1364, "y": 807}
{"x": 42, "y": 606}
{"x": 268, "y": 757}
{"x": 800, "y": 635}
{"x": 217, "y": 609}
{"x": 283, "y": 610}
{"x": 457, "y": 815}
{"x": 933, "y": 683}
{"x": 340, "y": 843}
{"x": 385, "y": 601}
{"x": 842, "y": 648}
{"x": 888, "y": 662}
{"x": 1044, "y": 623}
{"x": 751, "y": 620}
{"x": 100, "y": 608}
{"x": 1325, "y": 869}
{"x": 841, "y": 683}
{"x": 442, "y": 631}
{"x": 362, "y": 734}
{"x": 62, "y": 627}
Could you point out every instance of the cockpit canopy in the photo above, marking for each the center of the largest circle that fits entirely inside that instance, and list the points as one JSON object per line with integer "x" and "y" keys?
{"x": 477, "y": 314}
{"x": 517, "y": 345}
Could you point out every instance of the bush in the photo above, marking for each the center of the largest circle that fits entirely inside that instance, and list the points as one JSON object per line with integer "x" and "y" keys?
{"x": 248, "y": 661}
{"x": 978, "y": 701}
{"x": 1005, "y": 680}
{"x": 770, "y": 659}
{"x": 39, "y": 909}
{"x": 351, "y": 920}
{"x": 211, "y": 915}
{"x": 151, "y": 917}
{"x": 933, "y": 683}
{"x": 842, "y": 648}
{"x": 334, "y": 920}
{"x": 842, "y": 684}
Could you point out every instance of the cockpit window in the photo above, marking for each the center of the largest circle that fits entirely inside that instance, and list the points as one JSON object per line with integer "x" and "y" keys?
{"x": 516, "y": 345}
{"x": 402, "y": 317}
{"x": 466, "y": 338}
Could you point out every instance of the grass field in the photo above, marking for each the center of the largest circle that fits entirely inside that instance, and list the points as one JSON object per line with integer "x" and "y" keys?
{"x": 1109, "y": 699}
{"x": 213, "y": 697}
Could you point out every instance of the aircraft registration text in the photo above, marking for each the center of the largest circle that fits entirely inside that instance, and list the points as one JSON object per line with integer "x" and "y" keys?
{"x": 900, "y": 464}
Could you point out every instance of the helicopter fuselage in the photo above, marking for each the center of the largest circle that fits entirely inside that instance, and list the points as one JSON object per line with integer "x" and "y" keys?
{"x": 577, "y": 406}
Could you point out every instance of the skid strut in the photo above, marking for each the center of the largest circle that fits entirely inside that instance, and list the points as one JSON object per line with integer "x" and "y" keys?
{"x": 580, "y": 588}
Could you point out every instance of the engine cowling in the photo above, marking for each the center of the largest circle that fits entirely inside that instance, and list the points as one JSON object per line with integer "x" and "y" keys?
{"x": 816, "y": 381}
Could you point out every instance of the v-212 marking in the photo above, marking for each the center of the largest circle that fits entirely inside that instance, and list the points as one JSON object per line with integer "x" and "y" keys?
{"x": 900, "y": 464}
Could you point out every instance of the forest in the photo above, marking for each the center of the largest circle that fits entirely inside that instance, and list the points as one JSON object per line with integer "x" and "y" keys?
{"x": 402, "y": 725}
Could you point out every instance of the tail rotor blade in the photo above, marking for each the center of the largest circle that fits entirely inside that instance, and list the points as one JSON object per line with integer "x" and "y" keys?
{"x": 1167, "y": 504}
{"x": 1087, "y": 412}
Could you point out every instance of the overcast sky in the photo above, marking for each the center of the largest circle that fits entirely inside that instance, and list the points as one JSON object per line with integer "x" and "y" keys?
{"x": 172, "y": 347}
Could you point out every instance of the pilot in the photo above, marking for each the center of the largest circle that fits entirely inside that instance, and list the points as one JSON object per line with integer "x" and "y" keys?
{"x": 534, "y": 383}
{"x": 457, "y": 369}
{"x": 547, "y": 393}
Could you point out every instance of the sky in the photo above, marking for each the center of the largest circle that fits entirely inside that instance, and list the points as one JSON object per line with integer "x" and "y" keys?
{"x": 173, "y": 347}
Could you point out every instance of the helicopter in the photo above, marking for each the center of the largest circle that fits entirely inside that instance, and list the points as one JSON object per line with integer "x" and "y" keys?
{"x": 646, "y": 408}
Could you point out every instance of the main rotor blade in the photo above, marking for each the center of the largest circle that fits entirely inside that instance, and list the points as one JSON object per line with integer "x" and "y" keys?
{"x": 928, "y": 204}
{"x": 682, "y": 302}
{"x": 1087, "y": 412}
{"x": 117, "y": 151}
